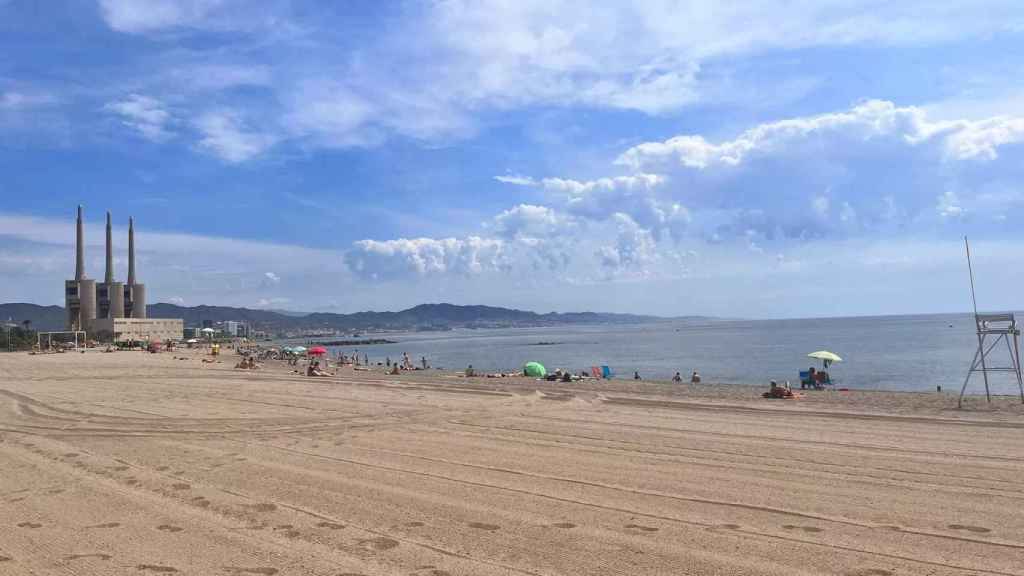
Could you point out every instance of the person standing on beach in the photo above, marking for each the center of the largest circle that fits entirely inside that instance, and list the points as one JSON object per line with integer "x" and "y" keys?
{"x": 423, "y": 360}
{"x": 677, "y": 378}
{"x": 695, "y": 378}
{"x": 636, "y": 375}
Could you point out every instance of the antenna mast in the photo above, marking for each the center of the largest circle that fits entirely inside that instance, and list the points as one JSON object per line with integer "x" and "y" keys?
{"x": 970, "y": 269}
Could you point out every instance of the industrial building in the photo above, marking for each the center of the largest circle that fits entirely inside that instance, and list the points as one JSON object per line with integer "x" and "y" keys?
{"x": 113, "y": 307}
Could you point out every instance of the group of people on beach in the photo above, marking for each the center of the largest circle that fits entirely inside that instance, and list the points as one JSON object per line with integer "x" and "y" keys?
{"x": 678, "y": 378}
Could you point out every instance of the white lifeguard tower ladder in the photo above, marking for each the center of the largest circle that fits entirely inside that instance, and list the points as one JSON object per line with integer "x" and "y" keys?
{"x": 992, "y": 329}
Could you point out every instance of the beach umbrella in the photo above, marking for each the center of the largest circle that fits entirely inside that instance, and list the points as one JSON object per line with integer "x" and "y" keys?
{"x": 317, "y": 351}
{"x": 208, "y": 330}
{"x": 191, "y": 341}
{"x": 535, "y": 369}
{"x": 299, "y": 349}
{"x": 826, "y": 357}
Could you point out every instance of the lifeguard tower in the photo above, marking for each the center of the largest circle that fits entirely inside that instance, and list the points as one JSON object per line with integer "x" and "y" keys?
{"x": 992, "y": 329}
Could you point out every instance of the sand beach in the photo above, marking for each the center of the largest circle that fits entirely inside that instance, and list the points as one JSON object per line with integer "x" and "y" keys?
{"x": 148, "y": 464}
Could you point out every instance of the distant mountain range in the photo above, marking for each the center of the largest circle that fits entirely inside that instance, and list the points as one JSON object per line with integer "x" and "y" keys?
{"x": 422, "y": 317}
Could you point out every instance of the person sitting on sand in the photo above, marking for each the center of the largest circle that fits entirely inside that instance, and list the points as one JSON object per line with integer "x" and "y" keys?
{"x": 394, "y": 369}
{"x": 314, "y": 370}
{"x": 677, "y": 378}
{"x": 821, "y": 378}
{"x": 470, "y": 371}
{"x": 695, "y": 378}
{"x": 566, "y": 376}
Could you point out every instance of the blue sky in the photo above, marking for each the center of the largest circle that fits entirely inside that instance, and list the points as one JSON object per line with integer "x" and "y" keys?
{"x": 769, "y": 159}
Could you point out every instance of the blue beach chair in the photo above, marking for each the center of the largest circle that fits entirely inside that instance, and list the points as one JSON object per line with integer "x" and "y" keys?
{"x": 606, "y": 372}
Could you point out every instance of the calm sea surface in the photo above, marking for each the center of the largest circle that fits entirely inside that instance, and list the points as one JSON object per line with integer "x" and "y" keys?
{"x": 888, "y": 352}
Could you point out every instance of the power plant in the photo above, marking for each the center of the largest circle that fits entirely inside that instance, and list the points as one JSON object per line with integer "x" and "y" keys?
{"x": 110, "y": 306}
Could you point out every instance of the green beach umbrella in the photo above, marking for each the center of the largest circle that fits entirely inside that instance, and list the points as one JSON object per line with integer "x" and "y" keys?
{"x": 299, "y": 349}
{"x": 535, "y": 369}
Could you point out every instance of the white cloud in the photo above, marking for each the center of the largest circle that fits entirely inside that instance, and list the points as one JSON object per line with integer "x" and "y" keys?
{"x": 405, "y": 257}
{"x": 820, "y": 206}
{"x": 869, "y": 121}
{"x": 527, "y": 220}
{"x": 440, "y": 67}
{"x": 150, "y": 16}
{"x": 177, "y": 300}
{"x": 272, "y": 277}
{"x": 516, "y": 179}
{"x": 633, "y": 250}
{"x": 224, "y": 135}
{"x": 146, "y": 15}
{"x": 13, "y": 100}
{"x": 272, "y": 302}
{"x": 948, "y": 205}
{"x": 148, "y": 116}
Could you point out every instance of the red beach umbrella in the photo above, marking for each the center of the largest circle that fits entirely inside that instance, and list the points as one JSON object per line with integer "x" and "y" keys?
{"x": 317, "y": 351}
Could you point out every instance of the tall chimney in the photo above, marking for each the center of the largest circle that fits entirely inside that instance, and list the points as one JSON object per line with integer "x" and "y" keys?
{"x": 131, "y": 251}
{"x": 109, "y": 278}
{"x": 79, "y": 248}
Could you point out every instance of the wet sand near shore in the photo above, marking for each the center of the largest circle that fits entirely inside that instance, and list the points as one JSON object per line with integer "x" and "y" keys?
{"x": 143, "y": 464}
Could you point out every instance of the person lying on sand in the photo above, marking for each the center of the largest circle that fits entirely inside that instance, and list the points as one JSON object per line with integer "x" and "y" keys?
{"x": 783, "y": 392}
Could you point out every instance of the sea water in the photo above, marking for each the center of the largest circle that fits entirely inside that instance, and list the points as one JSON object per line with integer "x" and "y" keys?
{"x": 910, "y": 353}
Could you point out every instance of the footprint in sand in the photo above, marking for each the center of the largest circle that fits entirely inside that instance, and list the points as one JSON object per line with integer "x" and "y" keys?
{"x": 162, "y": 468}
{"x": 29, "y": 525}
{"x": 168, "y": 528}
{"x": 261, "y": 570}
{"x": 106, "y": 525}
{"x": 263, "y": 507}
{"x": 871, "y": 572}
{"x": 201, "y": 502}
{"x": 564, "y": 525}
{"x": 181, "y": 486}
{"x": 330, "y": 525}
{"x": 642, "y": 528}
{"x": 71, "y": 455}
{"x": 811, "y": 529}
{"x": 81, "y": 556}
{"x": 5, "y": 558}
{"x": 484, "y": 526}
{"x": 414, "y": 524}
{"x": 156, "y": 568}
{"x": 379, "y": 543}
{"x": 119, "y": 468}
{"x": 975, "y": 529}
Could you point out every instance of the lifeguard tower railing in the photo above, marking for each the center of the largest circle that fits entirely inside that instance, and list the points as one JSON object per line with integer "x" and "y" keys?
{"x": 994, "y": 329}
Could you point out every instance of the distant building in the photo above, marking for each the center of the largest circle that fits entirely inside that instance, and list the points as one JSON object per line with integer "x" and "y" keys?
{"x": 230, "y": 328}
{"x": 207, "y": 323}
{"x": 142, "y": 329}
{"x": 112, "y": 306}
